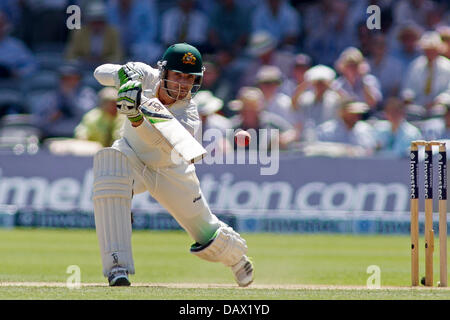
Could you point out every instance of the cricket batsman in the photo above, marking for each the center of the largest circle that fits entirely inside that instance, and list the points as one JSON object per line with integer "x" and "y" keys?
{"x": 156, "y": 153}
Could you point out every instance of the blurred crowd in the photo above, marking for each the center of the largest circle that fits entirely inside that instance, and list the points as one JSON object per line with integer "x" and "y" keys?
{"x": 314, "y": 70}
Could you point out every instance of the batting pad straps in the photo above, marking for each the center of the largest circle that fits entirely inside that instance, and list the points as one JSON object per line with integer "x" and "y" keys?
{"x": 226, "y": 246}
{"x": 110, "y": 186}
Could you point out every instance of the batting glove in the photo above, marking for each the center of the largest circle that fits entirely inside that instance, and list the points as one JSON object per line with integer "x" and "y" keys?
{"x": 128, "y": 73}
{"x": 129, "y": 99}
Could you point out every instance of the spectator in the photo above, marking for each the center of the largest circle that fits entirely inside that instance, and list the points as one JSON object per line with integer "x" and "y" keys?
{"x": 43, "y": 22}
{"x": 385, "y": 67}
{"x": 363, "y": 35}
{"x": 184, "y": 23}
{"x": 358, "y": 15}
{"x": 64, "y": 108}
{"x": 12, "y": 9}
{"x": 137, "y": 23}
{"x": 247, "y": 5}
{"x": 387, "y": 23}
{"x": 229, "y": 27}
{"x": 355, "y": 82}
{"x": 215, "y": 81}
{"x": 414, "y": 112}
{"x": 102, "y": 124}
{"x": 314, "y": 102}
{"x": 349, "y": 129}
{"x": 207, "y": 7}
{"x": 269, "y": 79}
{"x": 252, "y": 115}
{"x": 16, "y": 61}
{"x": 314, "y": 11}
{"x": 96, "y": 42}
{"x": 428, "y": 75}
{"x": 444, "y": 32}
{"x": 335, "y": 31}
{"x": 395, "y": 133}
{"x": 407, "y": 49}
{"x": 296, "y": 77}
{"x": 434, "y": 16}
{"x": 230, "y": 68}
{"x": 439, "y": 127}
{"x": 411, "y": 10}
{"x": 262, "y": 50}
{"x": 208, "y": 106}
{"x": 278, "y": 18}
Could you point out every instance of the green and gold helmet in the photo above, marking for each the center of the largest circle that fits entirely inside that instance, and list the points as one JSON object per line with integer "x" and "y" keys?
{"x": 183, "y": 58}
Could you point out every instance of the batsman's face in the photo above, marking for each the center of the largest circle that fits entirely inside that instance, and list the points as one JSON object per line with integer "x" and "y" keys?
{"x": 179, "y": 84}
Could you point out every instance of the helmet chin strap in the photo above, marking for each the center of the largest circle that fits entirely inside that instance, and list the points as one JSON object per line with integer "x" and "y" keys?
{"x": 168, "y": 91}
{"x": 171, "y": 91}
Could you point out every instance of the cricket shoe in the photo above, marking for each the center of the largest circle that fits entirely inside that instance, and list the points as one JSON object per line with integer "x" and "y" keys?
{"x": 118, "y": 277}
{"x": 243, "y": 271}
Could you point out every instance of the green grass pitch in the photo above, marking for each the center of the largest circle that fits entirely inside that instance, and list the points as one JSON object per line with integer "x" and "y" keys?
{"x": 34, "y": 265}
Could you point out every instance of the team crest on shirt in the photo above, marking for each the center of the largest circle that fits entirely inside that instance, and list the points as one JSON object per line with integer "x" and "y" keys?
{"x": 189, "y": 58}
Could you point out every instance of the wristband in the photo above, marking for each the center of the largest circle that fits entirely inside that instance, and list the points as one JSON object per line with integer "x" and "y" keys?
{"x": 137, "y": 118}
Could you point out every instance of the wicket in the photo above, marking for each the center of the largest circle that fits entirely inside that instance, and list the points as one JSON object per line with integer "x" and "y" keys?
{"x": 414, "y": 207}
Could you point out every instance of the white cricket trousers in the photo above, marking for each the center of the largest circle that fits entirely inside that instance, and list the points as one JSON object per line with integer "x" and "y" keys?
{"x": 177, "y": 189}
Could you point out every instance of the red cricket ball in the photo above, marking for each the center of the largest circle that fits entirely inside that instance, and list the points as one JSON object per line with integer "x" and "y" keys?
{"x": 242, "y": 138}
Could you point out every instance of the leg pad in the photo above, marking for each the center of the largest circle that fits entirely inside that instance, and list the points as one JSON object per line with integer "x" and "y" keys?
{"x": 112, "y": 193}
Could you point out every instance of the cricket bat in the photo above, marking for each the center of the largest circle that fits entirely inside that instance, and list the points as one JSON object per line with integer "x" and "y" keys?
{"x": 172, "y": 130}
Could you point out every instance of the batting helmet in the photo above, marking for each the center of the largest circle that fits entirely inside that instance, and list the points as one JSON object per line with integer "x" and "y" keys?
{"x": 183, "y": 58}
